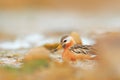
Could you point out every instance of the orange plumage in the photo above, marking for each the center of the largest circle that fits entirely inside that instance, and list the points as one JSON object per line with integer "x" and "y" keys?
{"x": 74, "y": 51}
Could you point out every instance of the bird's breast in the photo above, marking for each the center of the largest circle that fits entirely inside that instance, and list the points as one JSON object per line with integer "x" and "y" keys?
{"x": 68, "y": 55}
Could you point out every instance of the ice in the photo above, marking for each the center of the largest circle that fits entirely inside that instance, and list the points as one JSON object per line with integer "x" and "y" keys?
{"x": 87, "y": 41}
{"x": 28, "y": 41}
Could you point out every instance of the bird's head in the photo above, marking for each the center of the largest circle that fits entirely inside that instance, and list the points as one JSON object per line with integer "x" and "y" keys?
{"x": 65, "y": 42}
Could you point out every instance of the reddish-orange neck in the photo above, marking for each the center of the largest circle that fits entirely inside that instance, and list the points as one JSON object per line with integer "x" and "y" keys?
{"x": 69, "y": 45}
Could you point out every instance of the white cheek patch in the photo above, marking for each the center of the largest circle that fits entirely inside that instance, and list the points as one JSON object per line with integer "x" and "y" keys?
{"x": 68, "y": 39}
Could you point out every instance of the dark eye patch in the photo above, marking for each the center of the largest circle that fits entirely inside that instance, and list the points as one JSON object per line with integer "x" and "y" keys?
{"x": 63, "y": 38}
{"x": 65, "y": 41}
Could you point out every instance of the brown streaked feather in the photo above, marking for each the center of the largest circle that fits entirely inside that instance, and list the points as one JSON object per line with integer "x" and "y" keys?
{"x": 63, "y": 38}
{"x": 81, "y": 49}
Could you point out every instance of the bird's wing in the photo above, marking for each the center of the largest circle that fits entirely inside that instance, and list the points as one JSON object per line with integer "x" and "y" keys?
{"x": 81, "y": 49}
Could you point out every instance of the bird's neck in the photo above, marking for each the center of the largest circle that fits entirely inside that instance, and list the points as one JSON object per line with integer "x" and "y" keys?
{"x": 69, "y": 45}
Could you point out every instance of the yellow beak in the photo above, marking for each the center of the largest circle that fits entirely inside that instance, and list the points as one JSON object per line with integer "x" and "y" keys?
{"x": 58, "y": 48}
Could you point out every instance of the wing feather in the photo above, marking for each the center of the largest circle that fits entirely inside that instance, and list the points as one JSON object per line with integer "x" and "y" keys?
{"x": 81, "y": 49}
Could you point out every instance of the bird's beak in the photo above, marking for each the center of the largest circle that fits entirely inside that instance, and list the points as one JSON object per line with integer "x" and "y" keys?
{"x": 58, "y": 48}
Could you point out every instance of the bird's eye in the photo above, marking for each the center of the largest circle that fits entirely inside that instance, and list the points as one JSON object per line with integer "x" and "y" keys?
{"x": 65, "y": 41}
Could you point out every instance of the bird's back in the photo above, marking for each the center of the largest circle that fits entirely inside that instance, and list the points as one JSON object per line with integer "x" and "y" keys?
{"x": 83, "y": 51}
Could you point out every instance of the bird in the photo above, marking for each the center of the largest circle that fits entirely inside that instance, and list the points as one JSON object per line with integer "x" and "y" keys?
{"x": 74, "y": 51}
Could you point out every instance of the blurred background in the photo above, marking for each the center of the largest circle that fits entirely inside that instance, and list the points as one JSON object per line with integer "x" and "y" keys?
{"x": 30, "y": 29}
{"x": 48, "y": 16}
